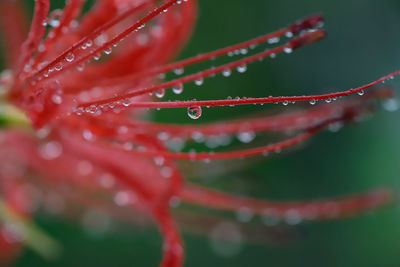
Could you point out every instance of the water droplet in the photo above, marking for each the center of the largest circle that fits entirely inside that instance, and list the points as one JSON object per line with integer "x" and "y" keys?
{"x": 244, "y": 214}
{"x": 285, "y": 103}
{"x": 293, "y": 217}
{"x": 51, "y": 150}
{"x": 160, "y": 93}
{"x": 242, "y": 68}
{"x": 96, "y": 57}
{"x": 199, "y": 81}
{"x": 107, "y": 51}
{"x": 179, "y": 71}
{"x": 54, "y": 23}
{"x": 361, "y": 93}
{"x": 89, "y": 43}
{"x": 288, "y": 50}
{"x": 313, "y": 101}
{"x": 57, "y": 99}
{"x": 70, "y": 57}
{"x": 177, "y": 89}
{"x": 273, "y": 40}
{"x": 289, "y": 34}
{"x": 391, "y": 105}
{"x": 194, "y": 112}
{"x": 80, "y": 67}
{"x": 226, "y": 239}
{"x": 58, "y": 66}
{"x": 126, "y": 102}
{"x": 226, "y": 73}
{"x": 246, "y": 137}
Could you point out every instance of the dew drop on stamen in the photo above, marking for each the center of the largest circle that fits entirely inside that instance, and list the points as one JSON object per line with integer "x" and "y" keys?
{"x": 160, "y": 93}
{"x": 57, "y": 99}
{"x": 273, "y": 40}
{"x": 199, "y": 81}
{"x": 70, "y": 57}
{"x": 244, "y": 214}
{"x": 177, "y": 89}
{"x": 126, "y": 102}
{"x": 58, "y": 66}
{"x": 246, "y": 137}
{"x": 107, "y": 51}
{"x": 80, "y": 67}
{"x": 54, "y": 23}
{"x": 96, "y": 57}
{"x": 391, "y": 105}
{"x": 51, "y": 150}
{"x": 226, "y": 73}
{"x": 288, "y": 50}
{"x": 242, "y": 68}
{"x": 194, "y": 112}
{"x": 289, "y": 34}
{"x": 179, "y": 71}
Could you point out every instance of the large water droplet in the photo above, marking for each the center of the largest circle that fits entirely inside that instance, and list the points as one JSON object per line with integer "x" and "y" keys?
{"x": 194, "y": 112}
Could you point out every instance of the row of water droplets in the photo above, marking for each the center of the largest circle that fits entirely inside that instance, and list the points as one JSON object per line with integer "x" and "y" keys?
{"x": 196, "y": 111}
{"x": 100, "y": 40}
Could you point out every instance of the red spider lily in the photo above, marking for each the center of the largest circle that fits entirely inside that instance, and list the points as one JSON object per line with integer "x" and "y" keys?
{"x": 83, "y": 126}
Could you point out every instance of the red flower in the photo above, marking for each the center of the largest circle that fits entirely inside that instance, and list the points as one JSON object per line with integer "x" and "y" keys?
{"x": 83, "y": 136}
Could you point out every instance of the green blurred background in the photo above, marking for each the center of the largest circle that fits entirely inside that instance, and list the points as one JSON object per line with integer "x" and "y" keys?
{"x": 362, "y": 45}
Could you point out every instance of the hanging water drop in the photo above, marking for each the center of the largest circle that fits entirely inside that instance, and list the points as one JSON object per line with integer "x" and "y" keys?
{"x": 226, "y": 73}
{"x": 194, "y": 112}
{"x": 288, "y": 50}
{"x": 313, "y": 102}
{"x": 246, "y": 137}
{"x": 273, "y": 40}
{"x": 199, "y": 81}
{"x": 179, "y": 71}
{"x": 70, "y": 57}
{"x": 361, "y": 93}
{"x": 177, "y": 89}
{"x": 96, "y": 57}
{"x": 107, "y": 51}
{"x": 242, "y": 68}
{"x": 160, "y": 93}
